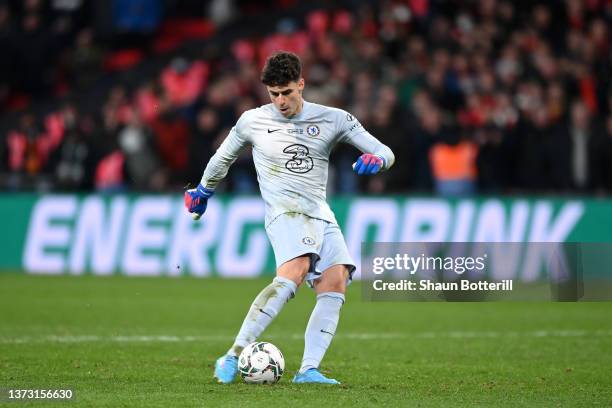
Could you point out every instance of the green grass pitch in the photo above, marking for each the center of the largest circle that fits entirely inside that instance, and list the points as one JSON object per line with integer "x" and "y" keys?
{"x": 126, "y": 342}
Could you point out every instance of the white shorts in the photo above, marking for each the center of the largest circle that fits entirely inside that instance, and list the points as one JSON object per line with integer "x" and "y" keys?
{"x": 294, "y": 234}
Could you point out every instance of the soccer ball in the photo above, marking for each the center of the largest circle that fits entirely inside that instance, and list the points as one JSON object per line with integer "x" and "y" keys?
{"x": 261, "y": 363}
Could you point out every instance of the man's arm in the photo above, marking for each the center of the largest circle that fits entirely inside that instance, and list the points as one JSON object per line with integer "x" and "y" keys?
{"x": 224, "y": 157}
{"x": 196, "y": 199}
{"x": 377, "y": 156}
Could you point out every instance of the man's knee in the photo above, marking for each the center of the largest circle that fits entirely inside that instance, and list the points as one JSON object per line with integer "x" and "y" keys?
{"x": 333, "y": 280}
{"x": 296, "y": 269}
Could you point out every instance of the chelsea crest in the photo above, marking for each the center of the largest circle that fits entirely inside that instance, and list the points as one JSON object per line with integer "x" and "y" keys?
{"x": 313, "y": 130}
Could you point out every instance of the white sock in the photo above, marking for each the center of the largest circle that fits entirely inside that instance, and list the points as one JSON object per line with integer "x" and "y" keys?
{"x": 264, "y": 309}
{"x": 321, "y": 328}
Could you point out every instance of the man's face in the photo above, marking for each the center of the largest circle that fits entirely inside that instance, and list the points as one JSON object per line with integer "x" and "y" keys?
{"x": 287, "y": 98}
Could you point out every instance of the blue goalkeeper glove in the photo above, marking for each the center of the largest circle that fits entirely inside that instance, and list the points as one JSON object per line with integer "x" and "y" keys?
{"x": 196, "y": 200}
{"x": 368, "y": 164}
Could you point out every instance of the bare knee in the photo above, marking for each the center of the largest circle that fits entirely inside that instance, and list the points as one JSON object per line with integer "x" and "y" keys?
{"x": 296, "y": 269}
{"x": 333, "y": 279}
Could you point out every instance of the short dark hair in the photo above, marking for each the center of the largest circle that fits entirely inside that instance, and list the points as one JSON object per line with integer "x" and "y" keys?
{"x": 281, "y": 68}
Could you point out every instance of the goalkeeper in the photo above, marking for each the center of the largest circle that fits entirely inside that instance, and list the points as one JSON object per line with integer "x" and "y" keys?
{"x": 292, "y": 140}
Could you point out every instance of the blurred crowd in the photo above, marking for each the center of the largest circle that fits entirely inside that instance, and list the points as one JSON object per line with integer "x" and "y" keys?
{"x": 483, "y": 96}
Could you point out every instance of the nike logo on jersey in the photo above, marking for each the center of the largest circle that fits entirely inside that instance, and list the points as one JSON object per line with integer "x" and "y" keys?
{"x": 273, "y": 130}
{"x": 323, "y": 331}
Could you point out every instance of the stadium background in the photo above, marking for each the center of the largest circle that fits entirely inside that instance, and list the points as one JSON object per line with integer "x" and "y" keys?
{"x": 500, "y": 116}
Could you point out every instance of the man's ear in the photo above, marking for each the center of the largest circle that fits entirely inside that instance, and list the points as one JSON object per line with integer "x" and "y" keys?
{"x": 301, "y": 84}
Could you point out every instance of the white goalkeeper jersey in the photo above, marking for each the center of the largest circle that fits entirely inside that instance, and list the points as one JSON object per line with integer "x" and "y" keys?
{"x": 291, "y": 155}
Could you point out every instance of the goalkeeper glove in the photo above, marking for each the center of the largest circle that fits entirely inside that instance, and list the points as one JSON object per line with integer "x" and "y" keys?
{"x": 368, "y": 164}
{"x": 196, "y": 200}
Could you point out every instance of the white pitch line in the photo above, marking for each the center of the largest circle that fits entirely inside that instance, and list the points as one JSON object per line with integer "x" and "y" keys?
{"x": 299, "y": 336}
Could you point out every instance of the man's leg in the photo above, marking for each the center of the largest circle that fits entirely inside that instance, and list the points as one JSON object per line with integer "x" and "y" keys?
{"x": 270, "y": 301}
{"x": 264, "y": 309}
{"x": 330, "y": 289}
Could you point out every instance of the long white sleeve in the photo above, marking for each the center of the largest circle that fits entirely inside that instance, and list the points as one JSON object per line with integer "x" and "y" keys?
{"x": 224, "y": 157}
{"x": 353, "y": 133}
{"x": 367, "y": 143}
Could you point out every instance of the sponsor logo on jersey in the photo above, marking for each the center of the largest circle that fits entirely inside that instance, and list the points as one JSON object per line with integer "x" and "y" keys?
{"x": 350, "y": 117}
{"x": 301, "y": 162}
{"x": 355, "y": 126}
{"x": 273, "y": 130}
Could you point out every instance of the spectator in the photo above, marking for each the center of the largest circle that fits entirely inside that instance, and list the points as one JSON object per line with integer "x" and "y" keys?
{"x": 206, "y": 129}
{"x": 543, "y": 158}
{"x": 453, "y": 164}
{"x": 142, "y": 165}
{"x": 585, "y": 141}
{"x": 183, "y": 82}
{"x": 85, "y": 62}
{"x": 72, "y": 159}
{"x": 172, "y": 140}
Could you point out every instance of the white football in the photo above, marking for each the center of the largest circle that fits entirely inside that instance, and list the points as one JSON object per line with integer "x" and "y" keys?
{"x": 261, "y": 363}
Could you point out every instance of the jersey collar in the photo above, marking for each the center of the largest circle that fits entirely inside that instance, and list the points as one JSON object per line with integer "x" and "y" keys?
{"x": 299, "y": 116}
